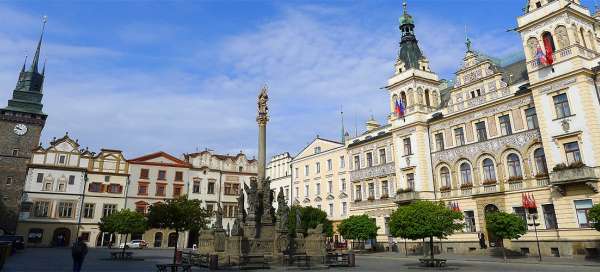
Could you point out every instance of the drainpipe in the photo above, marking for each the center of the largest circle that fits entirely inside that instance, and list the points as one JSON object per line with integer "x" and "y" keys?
{"x": 81, "y": 207}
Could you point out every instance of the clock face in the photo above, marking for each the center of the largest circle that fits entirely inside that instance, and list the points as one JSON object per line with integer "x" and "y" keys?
{"x": 20, "y": 129}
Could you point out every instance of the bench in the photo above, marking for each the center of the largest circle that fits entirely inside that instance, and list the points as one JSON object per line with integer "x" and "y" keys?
{"x": 119, "y": 255}
{"x": 174, "y": 267}
{"x": 338, "y": 259}
{"x": 428, "y": 262}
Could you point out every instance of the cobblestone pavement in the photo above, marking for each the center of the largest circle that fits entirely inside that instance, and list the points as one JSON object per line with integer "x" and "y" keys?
{"x": 97, "y": 260}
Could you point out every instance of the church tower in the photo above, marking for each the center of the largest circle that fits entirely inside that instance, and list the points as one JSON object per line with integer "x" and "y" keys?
{"x": 562, "y": 57}
{"x": 21, "y": 123}
{"x": 415, "y": 87}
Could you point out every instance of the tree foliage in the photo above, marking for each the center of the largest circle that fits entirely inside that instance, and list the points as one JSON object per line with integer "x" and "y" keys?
{"x": 310, "y": 217}
{"x": 358, "y": 227}
{"x": 424, "y": 219}
{"x": 505, "y": 225}
{"x": 124, "y": 221}
{"x": 179, "y": 214}
{"x": 595, "y": 216}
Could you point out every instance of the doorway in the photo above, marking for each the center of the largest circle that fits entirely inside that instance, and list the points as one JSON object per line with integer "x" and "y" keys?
{"x": 61, "y": 237}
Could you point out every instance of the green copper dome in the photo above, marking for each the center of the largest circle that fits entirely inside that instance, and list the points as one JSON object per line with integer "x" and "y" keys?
{"x": 406, "y": 19}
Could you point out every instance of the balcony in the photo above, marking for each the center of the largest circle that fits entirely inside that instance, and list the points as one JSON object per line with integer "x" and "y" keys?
{"x": 372, "y": 172}
{"x": 589, "y": 176}
{"x": 374, "y": 202}
{"x": 406, "y": 197}
{"x": 575, "y": 50}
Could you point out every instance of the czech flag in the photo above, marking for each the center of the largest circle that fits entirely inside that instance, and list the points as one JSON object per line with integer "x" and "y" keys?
{"x": 540, "y": 56}
{"x": 399, "y": 108}
{"x": 549, "y": 51}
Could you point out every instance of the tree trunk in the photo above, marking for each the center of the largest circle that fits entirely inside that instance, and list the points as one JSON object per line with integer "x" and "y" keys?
{"x": 124, "y": 246}
{"x": 431, "y": 247}
{"x": 175, "y": 250}
{"x": 503, "y": 252}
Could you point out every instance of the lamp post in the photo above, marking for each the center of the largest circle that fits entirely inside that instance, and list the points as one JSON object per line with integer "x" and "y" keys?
{"x": 533, "y": 217}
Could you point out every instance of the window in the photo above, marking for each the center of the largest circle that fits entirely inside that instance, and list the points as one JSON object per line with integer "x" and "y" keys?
{"x": 470, "y": 221}
{"x": 85, "y": 236}
{"x": 465, "y": 174}
{"x": 231, "y": 188}
{"x": 211, "y": 188}
{"x": 318, "y": 188}
{"x": 489, "y": 172}
{"x": 356, "y": 162}
{"x": 531, "y": 117}
{"x": 106, "y": 178}
{"x": 306, "y": 190}
{"x": 62, "y": 185}
{"x": 410, "y": 181}
{"x": 382, "y": 157}
{"x": 505, "y": 128}
{"x": 407, "y": 147}
{"x": 572, "y": 152}
{"x": 179, "y": 176}
{"x": 9, "y": 180}
{"x": 71, "y": 179}
{"x": 62, "y": 159}
{"x": 459, "y": 136}
{"x": 561, "y": 106}
{"x": 318, "y": 167}
{"x": 329, "y": 165}
{"x": 549, "y": 216}
{"x": 35, "y": 235}
{"x": 142, "y": 189}
{"x": 210, "y": 207}
{"x": 108, "y": 209}
{"x": 160, "y": 189}
{"x": 439, "y": 141}
{"x": 297, "y": 191}
{"x": 95, "y": 187}
{"x": 514, "y": 166}
{"x": 240, "y": 169}
{"x": 582, "y": 210}
{"x": 371, "y": 190}
{"x": 358, "y": 192}
{"x": 343, "y": 185}
{"x": 114, "y": 188}
{"x": 196, "y": 187}
{"x": 317, "y": 150}
{"x": 144, "y": 173}
{"x": 369, "y": 159}
{"x": 296, "y": 170}
{"x": 330, "y": 209}
{"x": 88, "y": 210}
{"x": 15, "y": 152}
{"x": 48, "y": 184}
{"x": 306, "y": 170}
{"x": 445, "y": 177}
{"x": 162, "y": 175}
{"x": 40, "y": 178}
{"x": 40, "y": 208}
{"x": 330, "y": 186}
{"x": 384, "y": 188}
{"x": 319, "y": 206}
{"x": 481, "y": 131}
{"x": 344, "y": 208}
{"x": 540, "y": 161}
{"x": 342, "y": 162}
{"x": 65, "y": 209}
{"x": 176, "y": 191}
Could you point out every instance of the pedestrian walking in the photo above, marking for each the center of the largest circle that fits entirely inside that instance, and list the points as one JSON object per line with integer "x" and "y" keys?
{"x": 78, "y": 252}
{"x": 481, "y": 237}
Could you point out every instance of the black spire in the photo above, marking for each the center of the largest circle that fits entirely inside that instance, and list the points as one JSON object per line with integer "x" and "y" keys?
{"x": 410, "y": 53}
{"x": 36, "y": 57}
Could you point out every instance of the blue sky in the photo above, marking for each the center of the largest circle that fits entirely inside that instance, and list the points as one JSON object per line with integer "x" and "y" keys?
{"x": 177, "y": 76}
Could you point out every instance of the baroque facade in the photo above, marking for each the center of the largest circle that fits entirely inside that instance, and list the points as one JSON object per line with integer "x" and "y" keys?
{"x": 498, "y": 131}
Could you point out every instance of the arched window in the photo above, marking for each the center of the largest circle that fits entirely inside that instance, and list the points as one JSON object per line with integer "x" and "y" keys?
{"x": 489, "y": 172}
{"x": 403, "y": 98}
{"x": 532, "y": 45}
{"x": 465, "y": 174}
{"x": 548, "y": 42}
{"x": 158, "y": 237}
{"x": 445, "y": 177}
{"x": 540, "y": 161}
{"x": 427, "y": 100}
{"x": 514, "y": 166}
{"x": 562, "y": 37}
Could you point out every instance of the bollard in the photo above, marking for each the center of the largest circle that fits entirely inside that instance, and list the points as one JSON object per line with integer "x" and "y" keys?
{"x": 213, "y": 262}
{"x": 351, "y": 260}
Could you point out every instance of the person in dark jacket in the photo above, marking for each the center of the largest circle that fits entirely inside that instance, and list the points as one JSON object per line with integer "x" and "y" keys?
{"x": 481, "y": 237}
{"x": 78, "y": 252}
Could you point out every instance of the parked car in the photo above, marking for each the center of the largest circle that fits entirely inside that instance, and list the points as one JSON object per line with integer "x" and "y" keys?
{"x": 17, "y": 241}
{"x": 134, "y": 244}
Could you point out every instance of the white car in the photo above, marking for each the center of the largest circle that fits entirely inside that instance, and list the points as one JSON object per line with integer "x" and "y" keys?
{"x": 134, "y": 244}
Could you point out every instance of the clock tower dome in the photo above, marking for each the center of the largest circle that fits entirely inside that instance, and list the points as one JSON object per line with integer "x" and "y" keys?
{"x": 21, "y": 123}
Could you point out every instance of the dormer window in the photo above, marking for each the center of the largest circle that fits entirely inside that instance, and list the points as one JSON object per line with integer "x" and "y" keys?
{"x": 317, "y": 150}
{"x": 62, "y": 159}
{"x": 538, "y": 4}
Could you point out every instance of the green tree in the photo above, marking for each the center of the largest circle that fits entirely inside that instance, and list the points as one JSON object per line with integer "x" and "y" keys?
{"x": 425, "y": 219}
{"x": 505, "y": 226}
{"x": 310, "y": 217}
{"x": 125, "y": 222}
{"x": 179, "y": 214}
{"x": 358, "y": 227}
{"x": 595, "y": 216}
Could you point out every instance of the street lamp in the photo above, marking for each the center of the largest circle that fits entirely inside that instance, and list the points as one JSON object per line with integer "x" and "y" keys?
{"x": 533, "y": 217}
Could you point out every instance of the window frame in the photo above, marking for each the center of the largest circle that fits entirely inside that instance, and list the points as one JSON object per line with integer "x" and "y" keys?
{"x": 565, "y": 108}
{"x": 505, "y": 125}
{"x": 459, "y": 141}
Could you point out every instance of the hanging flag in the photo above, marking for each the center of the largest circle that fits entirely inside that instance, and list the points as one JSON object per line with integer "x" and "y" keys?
{"x": 399, "y": 109}
{"x": 532, "y": 204}
{"x": 540, "y": 56}
{"x": 524, "y": 201}
{"x": 549, "y": 50}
